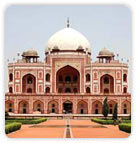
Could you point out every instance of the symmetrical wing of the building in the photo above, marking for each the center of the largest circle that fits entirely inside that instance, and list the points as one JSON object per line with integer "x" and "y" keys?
{"x": 67, "y": 81}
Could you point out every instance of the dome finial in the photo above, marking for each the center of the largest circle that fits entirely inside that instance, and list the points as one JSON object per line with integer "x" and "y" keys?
{"x": 68, "y": 22}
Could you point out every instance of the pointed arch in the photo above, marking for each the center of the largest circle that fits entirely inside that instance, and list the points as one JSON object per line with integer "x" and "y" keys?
{"x": 38, "y": 106}
{"x": 97, "y": 107}
{"x": 82, "y": 107}
{"x": 53, "y": 107}
{"x": 23, "y": 107}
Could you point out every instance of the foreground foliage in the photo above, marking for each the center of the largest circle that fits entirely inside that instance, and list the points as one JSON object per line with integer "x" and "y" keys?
{"x": 11, "y": 127}
{"x": 103, "y": 121}
{"x": 25, "y": 121}
{"x": 126, "y": 127}
{"x": 108, "y": 121}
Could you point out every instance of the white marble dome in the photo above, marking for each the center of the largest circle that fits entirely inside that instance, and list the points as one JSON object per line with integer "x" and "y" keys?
{"x": 67, "y": 39}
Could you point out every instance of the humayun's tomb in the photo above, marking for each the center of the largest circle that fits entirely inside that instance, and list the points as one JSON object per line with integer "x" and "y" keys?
{"x": 67, "y": 81}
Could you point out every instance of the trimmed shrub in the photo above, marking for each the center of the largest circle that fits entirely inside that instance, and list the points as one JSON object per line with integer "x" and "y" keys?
{"x": 126, "y": 121}
{"x": 26, "y": 121}
{"x": 126, "y": 127}
{"x": 102, "y": 121}
{"x": 12, "y": 127}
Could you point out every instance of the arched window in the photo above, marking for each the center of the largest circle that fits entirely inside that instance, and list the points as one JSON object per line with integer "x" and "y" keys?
{"x": 60, "y": 90}
{"x": 67, "y": 79}
{"x": 96, "y": 105}
{"x": 29, "y": 90}
{"x": 53, "y": 105}
{"x": 106, "y": 80}
{"x": 10, "y": 108}
{"x": 75, "y": 78}
{"x": 88, "y": 90}
{"x": 125, "y": 90}
{"x": 125, "y": 78}
{"x": 47, "y": 90}
{"x": 75, "y": 90}
{"x": 87, "y": 77}
{"x": 10, "y": 77}
{"x": 67, "y": 90}
{"x": 29, "y": 80}
{"x": 39, "y": 105}
{"x": 60, "y": 79}
{"x": 96, "y": 109}
{"x": 10, "y": 90}
{"x": 125, "y": 109}
{"x": 106, "y": 90}
{"x": 48, "y": 77}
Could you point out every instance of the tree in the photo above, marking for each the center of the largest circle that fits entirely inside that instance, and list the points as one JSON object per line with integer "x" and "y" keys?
{"x": 6, "y": 115}
{"x": 105, "y": 108}
{"x": 115, "y": 112}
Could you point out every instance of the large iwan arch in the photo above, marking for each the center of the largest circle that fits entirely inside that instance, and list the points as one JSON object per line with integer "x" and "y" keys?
{"x": 67, "y": 80}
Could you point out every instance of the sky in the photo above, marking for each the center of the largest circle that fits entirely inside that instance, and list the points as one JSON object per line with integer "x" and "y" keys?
{"x": 31, "y": 26}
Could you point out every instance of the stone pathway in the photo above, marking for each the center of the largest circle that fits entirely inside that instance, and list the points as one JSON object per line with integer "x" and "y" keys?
{"x": 89, "y": 129}
{"x": 48, "y": 129}
{"x": 68, "y": 129}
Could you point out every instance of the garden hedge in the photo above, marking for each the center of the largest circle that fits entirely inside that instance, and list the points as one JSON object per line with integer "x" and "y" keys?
{"x": 103, "y": 121}
{"x": 12, "y": 127}
{"x": 26, "y": 121}
{"x": 126, "y": 127}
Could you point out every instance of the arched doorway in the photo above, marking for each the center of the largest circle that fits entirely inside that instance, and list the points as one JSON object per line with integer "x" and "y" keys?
{"x": 67, "y": 107}
{"x": 82, "y": 107}
{"x": 97, "y": 107}
{"x": 107, "y": 84}
{"x": 111, "y": 105}
{"x": 29, "y": 84}
{"x": 38, "y": 106}
{"x": 67, "y": 79}
{"x": 9, "y": 106}
{"x": 23, "y": 107}
{"x": 126, "y": 107}
{"x": 53, "y": 107}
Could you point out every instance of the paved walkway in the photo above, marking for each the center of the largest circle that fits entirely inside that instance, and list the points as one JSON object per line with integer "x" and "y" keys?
{"x": 48, "y": 129}
{"x": 69, "y": 129}
{"x": 89, "y": 129}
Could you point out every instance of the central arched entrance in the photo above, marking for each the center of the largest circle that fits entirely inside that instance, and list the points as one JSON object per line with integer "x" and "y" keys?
{"x": 68, "y": 80}
{"x": 67, "y": 107}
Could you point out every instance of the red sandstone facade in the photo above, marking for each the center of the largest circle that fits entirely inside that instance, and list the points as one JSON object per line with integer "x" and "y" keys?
{"x": 67, "y": 81}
